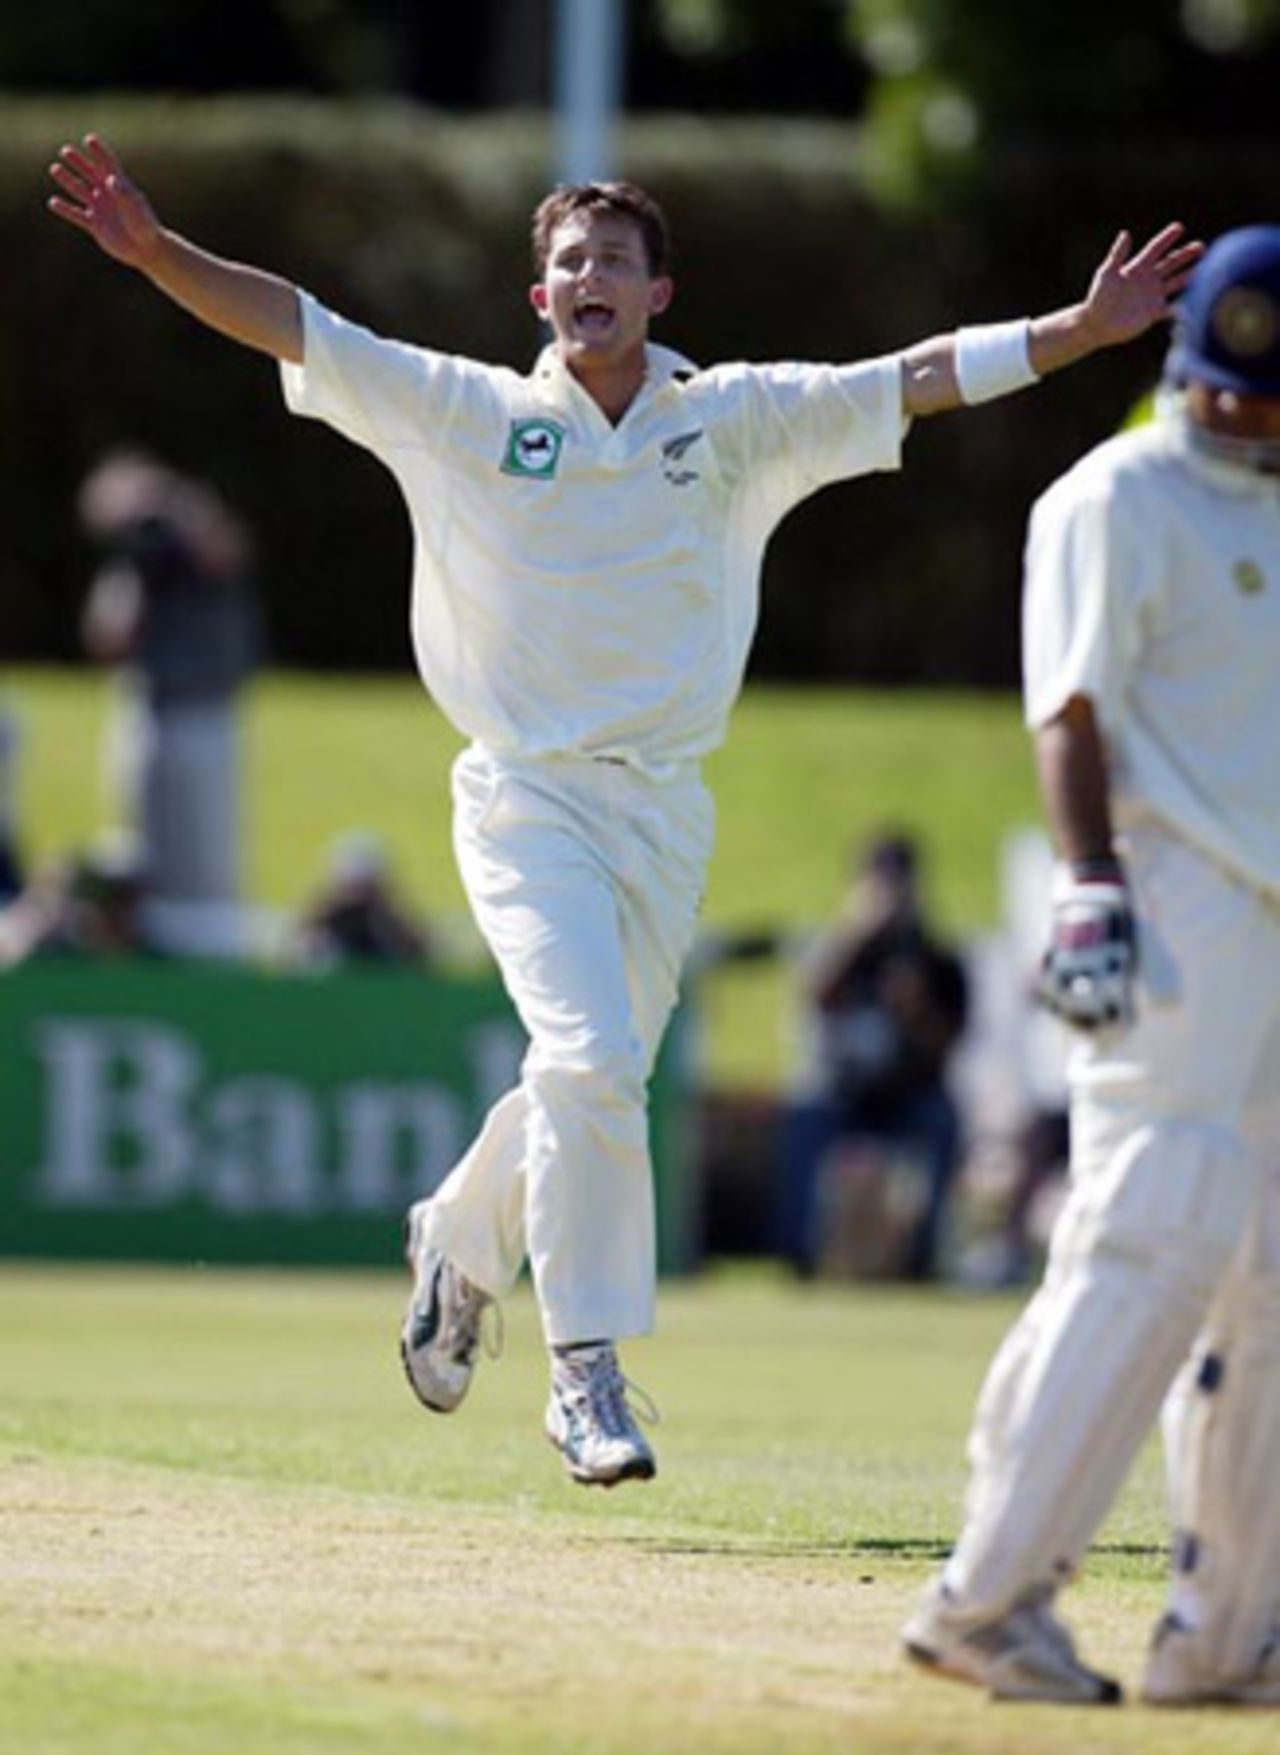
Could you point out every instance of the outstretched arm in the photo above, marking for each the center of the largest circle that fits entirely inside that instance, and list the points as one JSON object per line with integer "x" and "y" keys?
{"x": 250, "y": 306}
{"x": 1128, "y": 294}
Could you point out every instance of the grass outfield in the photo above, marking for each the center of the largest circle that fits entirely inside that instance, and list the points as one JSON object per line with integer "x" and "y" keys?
{"x": 227, "y": 1526}
{"x": 805, "y": 774}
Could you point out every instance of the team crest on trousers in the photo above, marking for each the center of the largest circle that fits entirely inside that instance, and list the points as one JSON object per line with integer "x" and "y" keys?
{"x": 533, "y": 448}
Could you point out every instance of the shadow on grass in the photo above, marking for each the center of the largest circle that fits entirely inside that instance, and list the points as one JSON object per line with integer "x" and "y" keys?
{"x": 854, "y": 1548}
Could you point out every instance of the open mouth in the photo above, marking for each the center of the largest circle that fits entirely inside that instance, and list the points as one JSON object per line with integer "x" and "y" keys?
{"x": 592, "y": 317}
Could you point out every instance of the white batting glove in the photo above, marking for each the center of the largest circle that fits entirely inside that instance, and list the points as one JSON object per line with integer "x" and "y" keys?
{"x": 1086, "y": 977}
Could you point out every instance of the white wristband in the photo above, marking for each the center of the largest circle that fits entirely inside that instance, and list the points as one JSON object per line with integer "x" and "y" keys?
{"x": 993, "y": 359}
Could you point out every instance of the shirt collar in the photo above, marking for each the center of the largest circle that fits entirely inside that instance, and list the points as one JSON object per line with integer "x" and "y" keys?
{"x": 663, "y": 366}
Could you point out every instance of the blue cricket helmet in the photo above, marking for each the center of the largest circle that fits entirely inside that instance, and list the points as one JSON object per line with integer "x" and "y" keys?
{"x": 1227, "y": 323}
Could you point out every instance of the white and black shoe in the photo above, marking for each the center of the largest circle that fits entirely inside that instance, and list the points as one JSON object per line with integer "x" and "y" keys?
{"x": 442, "y": 1330}
{"x": 1025, "y": 1654}
{"x": 590, "y": 1421}
{"x": 1179, "y": 1672}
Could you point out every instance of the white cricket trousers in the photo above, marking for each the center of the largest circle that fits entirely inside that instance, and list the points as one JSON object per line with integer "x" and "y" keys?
{"x": 1171, "y": 1226}
{"x": 584, "y": 876}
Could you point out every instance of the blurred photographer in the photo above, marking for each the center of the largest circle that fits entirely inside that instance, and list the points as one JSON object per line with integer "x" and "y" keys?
{"x": 171, "y": 609}
{"x": 887, "y": 1003}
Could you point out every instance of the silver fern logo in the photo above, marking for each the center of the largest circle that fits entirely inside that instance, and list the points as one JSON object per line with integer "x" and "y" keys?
{"x": 673, "y": 452}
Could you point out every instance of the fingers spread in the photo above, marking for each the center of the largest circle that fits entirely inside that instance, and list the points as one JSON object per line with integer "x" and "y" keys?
{"x": 103, "y": 157}
{"x": 1161, "y": 244}
{"x": 1182, "y": 261}
{"x": 69, "y": 211}
{"x": 76, "y": 161}
{"x": 1119, "y": 251}
{"x": 73, "y": 185}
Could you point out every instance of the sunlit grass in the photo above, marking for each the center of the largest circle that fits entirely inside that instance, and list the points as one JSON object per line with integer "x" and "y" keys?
{"x": 226, "y": 1524}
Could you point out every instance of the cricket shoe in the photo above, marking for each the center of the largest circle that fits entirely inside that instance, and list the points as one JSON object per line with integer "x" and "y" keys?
{"x": 1177, "y": 1673}
{"x": 590, "y": 1422}
{"x": 1024, "y": 1654}
{"x": 443, "y": 1325}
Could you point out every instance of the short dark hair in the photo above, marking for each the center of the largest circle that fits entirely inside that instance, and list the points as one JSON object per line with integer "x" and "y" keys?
{"x": 624, "y": 200}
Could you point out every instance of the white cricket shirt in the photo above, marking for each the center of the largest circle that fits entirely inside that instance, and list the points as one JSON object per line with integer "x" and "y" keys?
{"x": 581, "y": 587}
{"x": 1152, "y": 587}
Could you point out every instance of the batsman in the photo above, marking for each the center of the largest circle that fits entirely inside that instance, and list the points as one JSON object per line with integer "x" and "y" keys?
{"x": 1152, "y": 653}
{"x": 588, "y": 539}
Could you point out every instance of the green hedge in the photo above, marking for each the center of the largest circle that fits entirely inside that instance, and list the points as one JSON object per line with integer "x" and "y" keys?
{"x": 417, "y": 226}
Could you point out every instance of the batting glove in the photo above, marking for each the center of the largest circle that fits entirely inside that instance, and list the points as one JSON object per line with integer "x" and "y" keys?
{"x": 1086, "y": 977}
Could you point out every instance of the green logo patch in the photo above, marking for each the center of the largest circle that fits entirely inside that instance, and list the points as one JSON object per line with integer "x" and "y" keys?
{"x": 533, "y": 448}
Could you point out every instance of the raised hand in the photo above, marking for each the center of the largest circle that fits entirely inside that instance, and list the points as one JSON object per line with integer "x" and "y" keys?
{"x": 98, "y": 197}
{"x": 250, "y": 306}
{"x": 1130, "y": 292}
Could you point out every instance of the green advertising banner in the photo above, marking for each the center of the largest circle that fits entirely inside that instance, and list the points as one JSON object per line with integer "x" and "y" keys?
{"x": 206, "y": 1113}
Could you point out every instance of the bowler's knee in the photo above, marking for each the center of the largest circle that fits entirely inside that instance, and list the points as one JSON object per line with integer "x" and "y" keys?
{"x": 606, "y": 1077}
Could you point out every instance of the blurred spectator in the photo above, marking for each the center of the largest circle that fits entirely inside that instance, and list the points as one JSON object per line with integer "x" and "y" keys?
{"x": 1009, "y": 1077}
{"x": 358, "y": 916}
{"x": 172, "y": 610}
{"x": 10, "y": 853}
{"x": 89, "y": 906}
{"x": 1035, "y": 1068}
{"x": 871, "y": 1154}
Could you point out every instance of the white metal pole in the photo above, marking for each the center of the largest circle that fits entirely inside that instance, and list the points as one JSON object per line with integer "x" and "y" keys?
{"x": 587, "y": 68}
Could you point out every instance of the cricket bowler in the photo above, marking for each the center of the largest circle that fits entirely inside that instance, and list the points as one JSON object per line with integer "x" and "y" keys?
{"x": 588, "y": 538}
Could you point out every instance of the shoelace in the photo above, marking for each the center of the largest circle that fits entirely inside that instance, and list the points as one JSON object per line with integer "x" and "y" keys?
{"x": 467, "y": 1329}
{"x": 596, "y": 1382}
